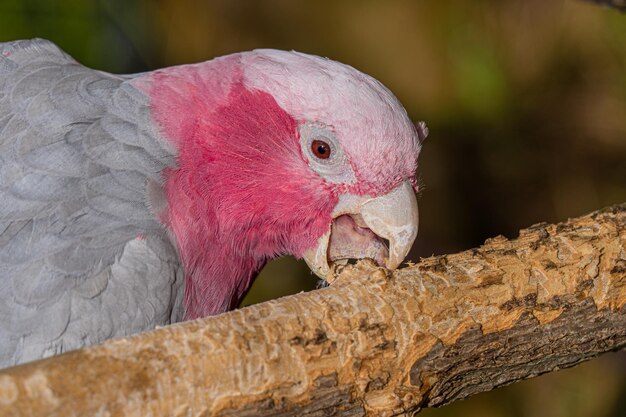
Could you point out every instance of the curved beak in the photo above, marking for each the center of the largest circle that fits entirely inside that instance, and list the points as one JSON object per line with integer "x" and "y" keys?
{"x": 381, "y": 228}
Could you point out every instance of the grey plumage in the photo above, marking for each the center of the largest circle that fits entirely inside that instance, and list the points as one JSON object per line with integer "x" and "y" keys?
{"x": 82, "y": 256}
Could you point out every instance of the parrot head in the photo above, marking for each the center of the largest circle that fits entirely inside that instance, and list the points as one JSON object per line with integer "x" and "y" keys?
{"x": 280, "y": 153}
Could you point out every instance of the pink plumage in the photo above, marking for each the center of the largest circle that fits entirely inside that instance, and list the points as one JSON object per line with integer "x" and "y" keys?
{"x": 243, "y": 191}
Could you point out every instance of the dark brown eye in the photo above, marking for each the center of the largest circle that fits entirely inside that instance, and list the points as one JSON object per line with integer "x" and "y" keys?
{"x": 320, "y": 149}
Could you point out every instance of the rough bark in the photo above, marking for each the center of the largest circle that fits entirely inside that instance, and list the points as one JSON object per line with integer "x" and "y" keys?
{"x": 374, "y": 343}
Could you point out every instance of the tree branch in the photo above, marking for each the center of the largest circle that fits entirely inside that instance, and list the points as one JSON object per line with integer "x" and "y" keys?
{"x": 374, "y": 343}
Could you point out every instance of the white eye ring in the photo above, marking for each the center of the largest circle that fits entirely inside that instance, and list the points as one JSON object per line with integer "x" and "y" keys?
{"x": 335, "y": 167}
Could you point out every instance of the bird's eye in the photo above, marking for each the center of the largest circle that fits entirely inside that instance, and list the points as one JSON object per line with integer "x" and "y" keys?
{"x": 322, "y": 152}
{"x": 320, "y": 149}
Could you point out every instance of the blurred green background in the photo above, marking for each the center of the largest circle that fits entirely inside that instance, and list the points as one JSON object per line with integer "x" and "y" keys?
{"x": 525, "y": 101}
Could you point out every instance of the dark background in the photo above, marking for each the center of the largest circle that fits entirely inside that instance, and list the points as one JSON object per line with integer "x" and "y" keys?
{"x": 525, "y": 101}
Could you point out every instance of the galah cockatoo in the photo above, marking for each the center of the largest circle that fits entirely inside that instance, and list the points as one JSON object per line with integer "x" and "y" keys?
{"x": 131, "y": 201}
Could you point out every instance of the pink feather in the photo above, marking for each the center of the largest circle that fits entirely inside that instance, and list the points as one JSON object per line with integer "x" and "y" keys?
{"x": 242, "y": 192}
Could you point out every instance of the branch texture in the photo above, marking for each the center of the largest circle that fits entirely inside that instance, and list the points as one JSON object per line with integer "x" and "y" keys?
{"x": 374, "y": 343}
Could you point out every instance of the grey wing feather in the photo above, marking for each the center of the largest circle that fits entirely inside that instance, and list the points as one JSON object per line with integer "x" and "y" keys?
{"x": 82, "y": 257}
